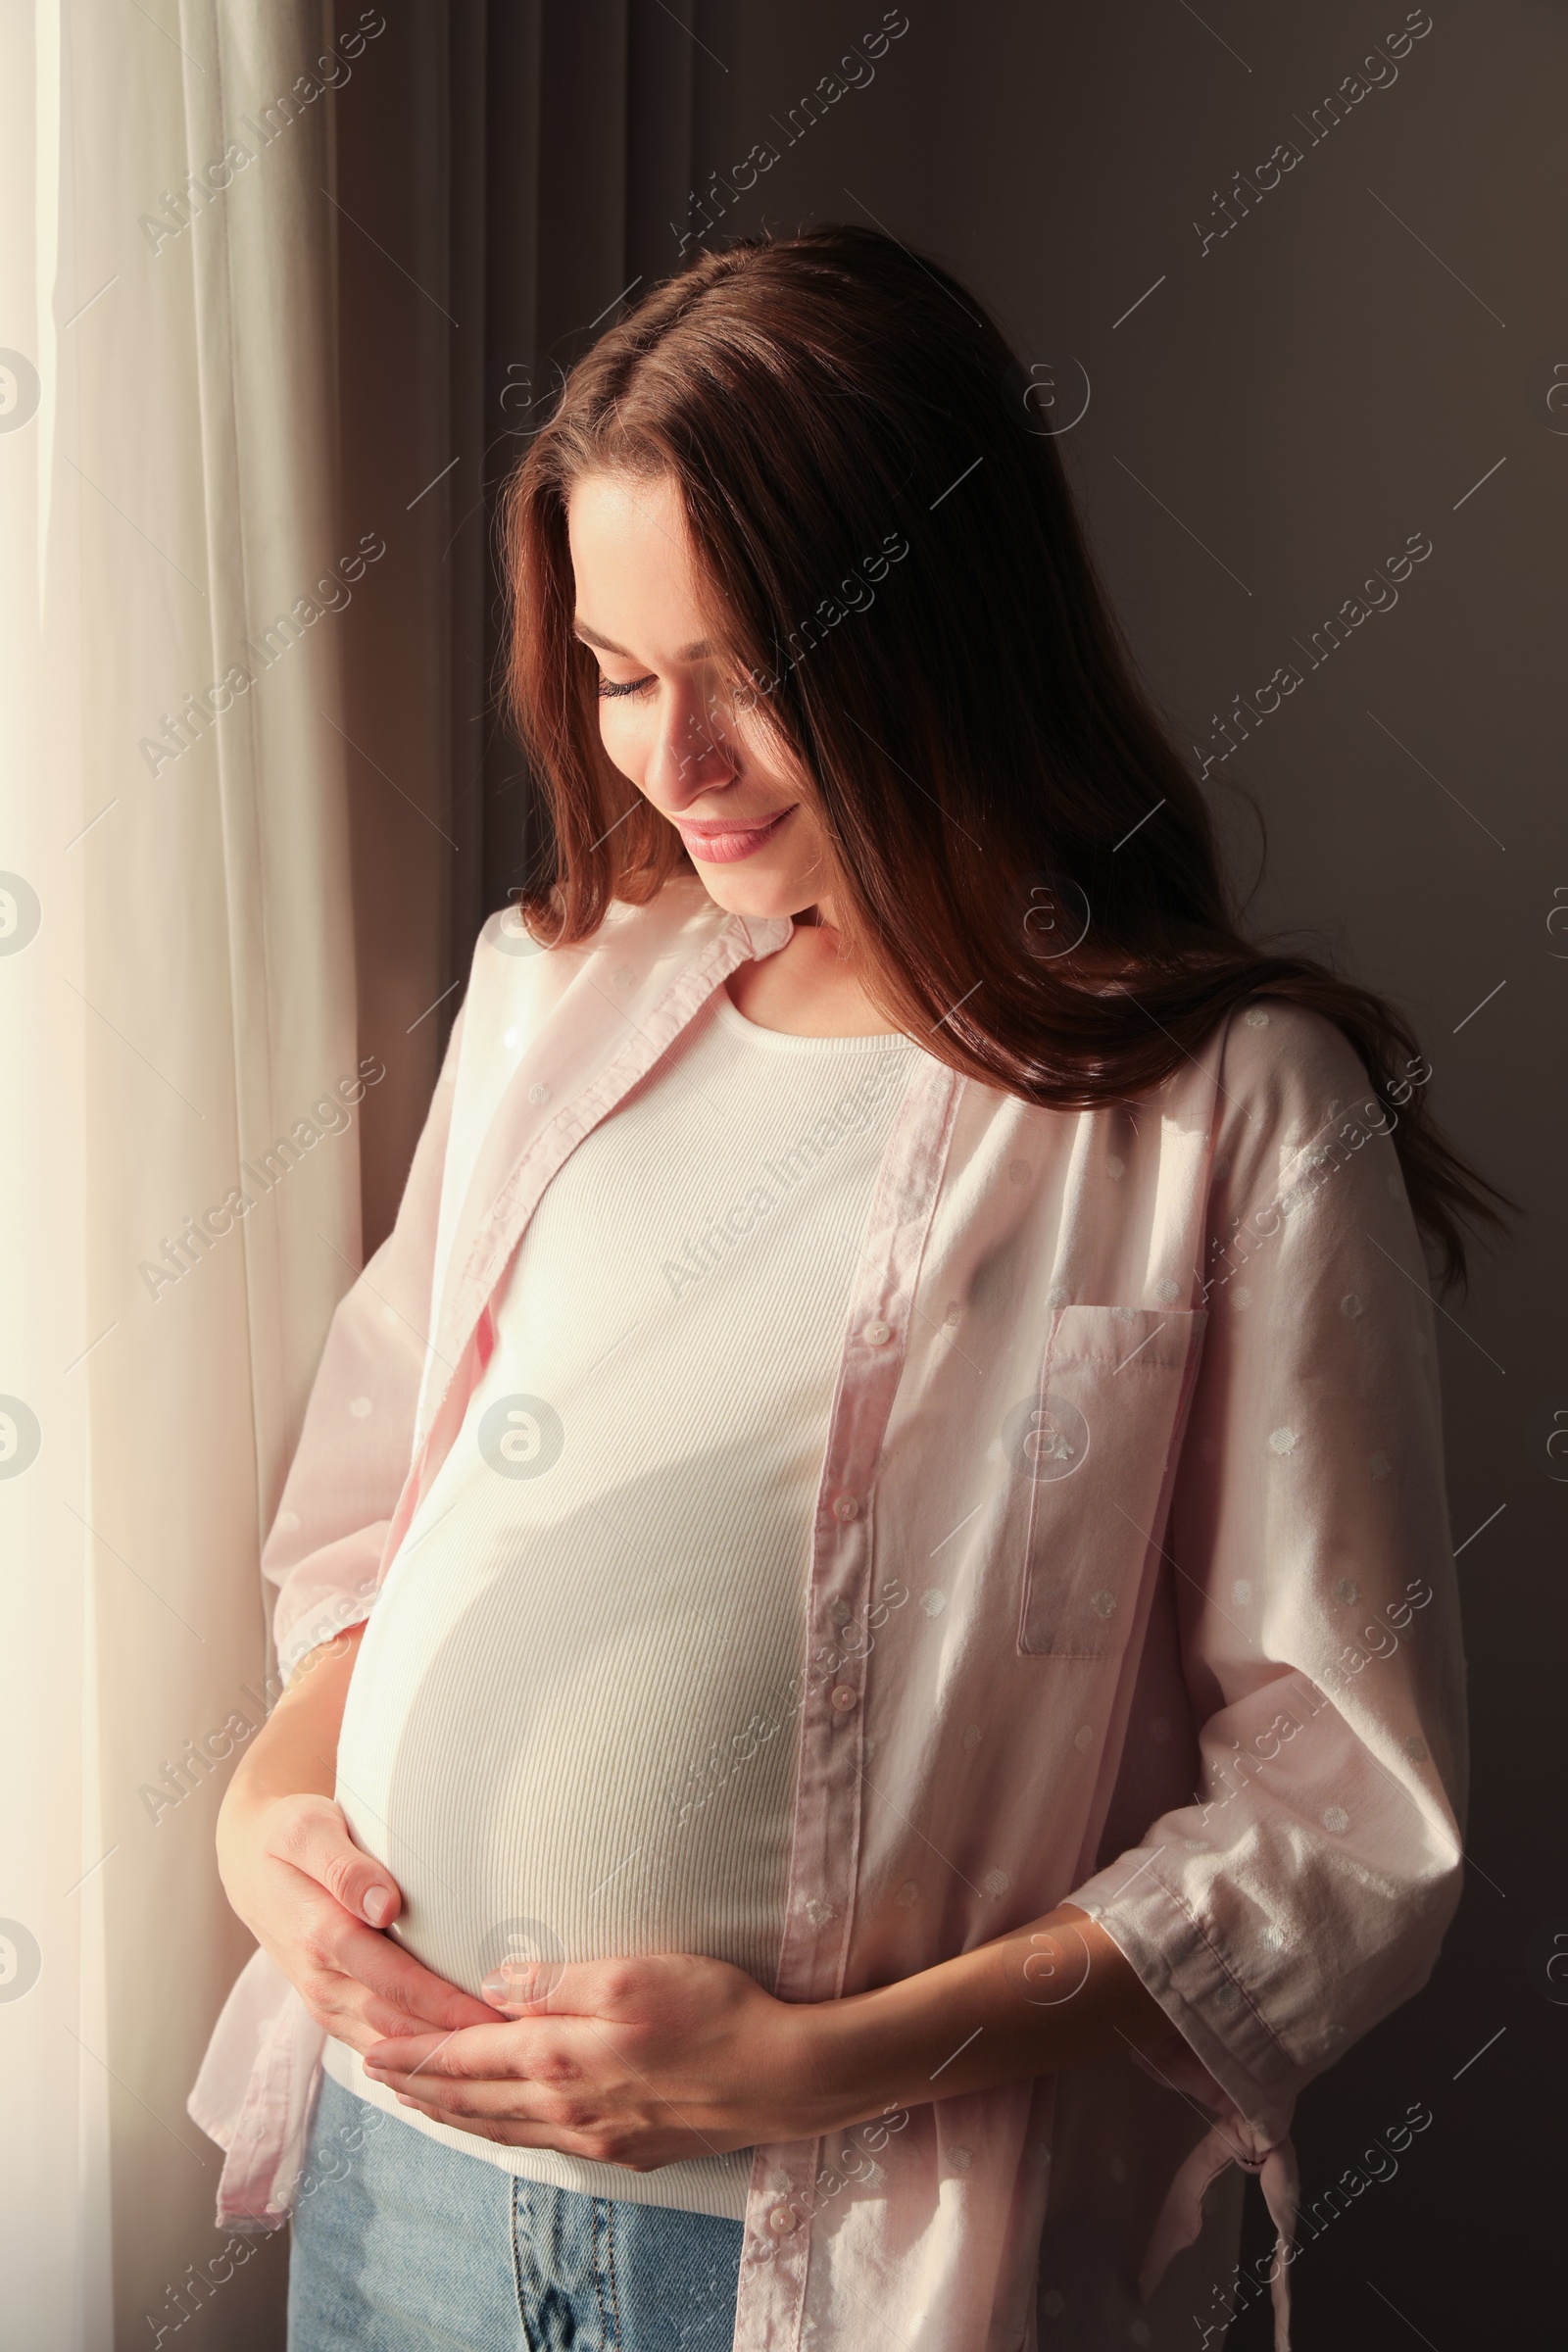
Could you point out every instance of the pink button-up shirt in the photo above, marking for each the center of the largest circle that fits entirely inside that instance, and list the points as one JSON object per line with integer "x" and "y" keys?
{"x": 1131, "y": 1586}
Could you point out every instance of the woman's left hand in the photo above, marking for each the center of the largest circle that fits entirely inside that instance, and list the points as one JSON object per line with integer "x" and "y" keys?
{"x": 632, "y": 2062}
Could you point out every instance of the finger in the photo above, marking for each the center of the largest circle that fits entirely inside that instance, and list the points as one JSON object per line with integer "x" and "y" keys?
{"x": 510, "y": 2131}
{"x": 315, "y": 1839}
{"x": 481, "y": 2052}
{"x": 490, "y": 2102}
{"x": 416, "y": 1997}
{"x": 565, "y": 1987}
{"x": 527, "y": 1987}
{"x": 509, "y": 2102}
{"x": 362, "y": 2019}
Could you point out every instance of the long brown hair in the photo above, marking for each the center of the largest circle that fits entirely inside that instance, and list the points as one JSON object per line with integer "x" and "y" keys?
{"x": 895, "y": 566}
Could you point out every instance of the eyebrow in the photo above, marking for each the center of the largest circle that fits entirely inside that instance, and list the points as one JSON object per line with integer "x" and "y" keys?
{"x": 697, "y": 652}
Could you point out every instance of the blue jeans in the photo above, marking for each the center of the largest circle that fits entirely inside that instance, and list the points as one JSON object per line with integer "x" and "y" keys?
{"x": 402, "y": 2244}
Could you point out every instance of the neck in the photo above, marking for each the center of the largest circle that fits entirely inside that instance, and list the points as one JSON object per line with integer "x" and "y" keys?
{"x": 809, "y": 987}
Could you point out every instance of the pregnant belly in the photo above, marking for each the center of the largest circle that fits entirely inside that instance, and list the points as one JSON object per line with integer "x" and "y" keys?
{"x": 520, "y": 1747}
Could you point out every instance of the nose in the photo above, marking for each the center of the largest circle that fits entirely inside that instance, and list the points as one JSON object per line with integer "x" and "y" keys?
{"x": 692, "y": 751}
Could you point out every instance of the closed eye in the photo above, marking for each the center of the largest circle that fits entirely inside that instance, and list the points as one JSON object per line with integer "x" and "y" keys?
{"x": 608, "y": 691}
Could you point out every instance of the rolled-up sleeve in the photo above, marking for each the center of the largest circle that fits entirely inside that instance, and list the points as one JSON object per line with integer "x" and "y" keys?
{"x": 334, "y": 1517}
{"x": 1304, "y": 1891}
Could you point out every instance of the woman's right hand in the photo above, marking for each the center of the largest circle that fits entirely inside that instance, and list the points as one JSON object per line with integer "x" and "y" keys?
{"x": 316, "y": 1902}
{"x": 313, "y": 1900}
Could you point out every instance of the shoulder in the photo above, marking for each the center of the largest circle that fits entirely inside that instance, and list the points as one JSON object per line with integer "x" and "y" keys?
{"x": 1296, "y": 1106}
{"x": 519, "y": 970}
{"x": 519, "y": 983}
{"x": 1268, "y": 1072}
{"x": 1272, "y": 1055}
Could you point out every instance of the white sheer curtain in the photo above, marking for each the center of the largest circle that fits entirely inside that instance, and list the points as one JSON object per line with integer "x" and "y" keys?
{"x": 176, "y": 1005}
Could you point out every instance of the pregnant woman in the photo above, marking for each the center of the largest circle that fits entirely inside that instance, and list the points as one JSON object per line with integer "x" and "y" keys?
{"x": 866, "y": 1598}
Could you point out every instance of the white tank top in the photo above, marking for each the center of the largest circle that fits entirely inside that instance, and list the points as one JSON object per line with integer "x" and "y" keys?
{"x": 571, "y": 1729}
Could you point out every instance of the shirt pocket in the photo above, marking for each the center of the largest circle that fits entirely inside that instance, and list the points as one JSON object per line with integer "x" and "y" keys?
{"x": 1092, "y": 1450}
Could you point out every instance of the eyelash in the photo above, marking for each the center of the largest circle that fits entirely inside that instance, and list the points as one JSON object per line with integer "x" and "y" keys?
{"x": 608, "y": 691}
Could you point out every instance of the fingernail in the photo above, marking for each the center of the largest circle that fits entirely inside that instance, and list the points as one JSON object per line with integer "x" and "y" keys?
{"x": 377, "y": 1903}
{"x": 515, "y": 1981}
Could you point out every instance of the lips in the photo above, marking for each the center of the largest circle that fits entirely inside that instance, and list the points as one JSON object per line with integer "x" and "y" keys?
{"x": 722, "y": 845}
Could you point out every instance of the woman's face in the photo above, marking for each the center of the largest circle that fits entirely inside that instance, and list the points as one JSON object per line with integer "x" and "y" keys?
{"x": 667, "y": 709}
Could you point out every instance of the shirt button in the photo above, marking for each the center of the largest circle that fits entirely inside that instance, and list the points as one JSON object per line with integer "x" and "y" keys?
{"x": 844, "y": 1696}
{"x": 539, "y": 1092}
{"x": 878, "y": 1334}
{"x": 782, "y": 2220}
{"x": 845, "y": 1507}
